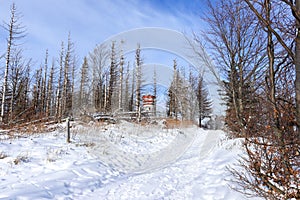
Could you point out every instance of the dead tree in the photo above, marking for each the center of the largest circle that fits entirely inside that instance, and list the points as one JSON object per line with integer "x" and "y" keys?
{"x": 155, "y": 91}
{"x": 98, "y": 60}
{"x": 15, "y": 32}
{"x": 58, "y": 98}
{"x": 83, "y": 93}
{"x": 138, "y": 66}
{"x": 120, "y": 89}
{"x": 112, "y": 79}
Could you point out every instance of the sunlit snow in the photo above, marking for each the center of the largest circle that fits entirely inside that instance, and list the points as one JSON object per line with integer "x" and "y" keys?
{"x": 119, "y": 161}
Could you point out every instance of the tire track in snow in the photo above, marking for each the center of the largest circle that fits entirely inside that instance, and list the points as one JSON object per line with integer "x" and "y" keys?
{"x": 167, "y": 180}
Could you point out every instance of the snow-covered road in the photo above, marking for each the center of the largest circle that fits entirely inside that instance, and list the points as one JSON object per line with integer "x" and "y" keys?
{"x": 188, "y": 163}
{"x": 200, "y": 173}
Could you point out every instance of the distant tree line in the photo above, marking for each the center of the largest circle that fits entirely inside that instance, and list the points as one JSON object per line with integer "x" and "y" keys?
{"x": 116, "y": 87}
{"x": 107, "y": 83}
{"x": 188, "y": 97}
{"x": 29, "y": 92}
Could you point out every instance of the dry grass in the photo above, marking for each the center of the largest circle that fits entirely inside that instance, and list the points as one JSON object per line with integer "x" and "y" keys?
{"x": 175, "y": 123}
{"x": 21, "y": 159}
{"x": 3, "y": 155}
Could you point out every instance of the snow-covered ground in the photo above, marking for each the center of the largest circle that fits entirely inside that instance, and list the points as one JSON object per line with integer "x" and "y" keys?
{"x": 119, "y": 161}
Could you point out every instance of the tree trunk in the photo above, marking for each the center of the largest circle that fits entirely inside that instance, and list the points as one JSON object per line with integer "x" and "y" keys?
{"x": 271, "y": 57}
{"x": 121, "y": 83}
{"x": 200, "y": 121}
{"x": 50, "y": 92}
{"x": 131, "y": 102}
{"x": 126, "y": 94}
{"x": 8, "y": 52}
{"x": 154, "y": 91}
{"x": 138, "y": 83}
{"x": 58, "y": 103}
{"x": 297, "y": 66}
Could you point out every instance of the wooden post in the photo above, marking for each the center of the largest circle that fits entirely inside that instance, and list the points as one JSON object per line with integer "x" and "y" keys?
{"x": 68, "y": 130}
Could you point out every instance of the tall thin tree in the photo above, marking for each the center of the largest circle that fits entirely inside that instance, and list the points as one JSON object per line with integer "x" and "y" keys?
{"x": 16, "y": 32}
{"x": 204, "y": 103}
{"x": 154, "y": 90}
{"x": 138, "y": 66}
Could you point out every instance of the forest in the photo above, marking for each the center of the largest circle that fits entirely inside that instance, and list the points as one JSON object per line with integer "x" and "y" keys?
{"x": 105, "y": 83}
{"x": 254, "y": 44}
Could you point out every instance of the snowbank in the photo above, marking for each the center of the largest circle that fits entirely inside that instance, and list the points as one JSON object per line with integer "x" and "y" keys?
{"x": 120, "y": 161}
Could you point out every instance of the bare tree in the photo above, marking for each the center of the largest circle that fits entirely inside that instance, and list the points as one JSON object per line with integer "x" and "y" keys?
{"x": 271, "y": 166}
{"x": 178, "y": 104}
{"x": 133, "y": 86}
{"x": 138, "y": 66}
{"x": 37, "y": 92}
{"x": 126, "y": 92}
{"x": 67, "y": 86}
{"x": 49, "y": 99}
{"x": 281, "y": 36}
{"x": 58, "y": 99}
{"x": 193, "y": 104}
{"x": 154, "y": 91}
{"x": 120, "y": 89}
{"x": 44, "y": 84}
{"x": 18, "y": 83}
{"x": 98, "y": 60}
{"x": 83, "y": 90}
{"x": 172, "y": 107}
{"x": 16, "y": 32}
{"x": 235, "y": 40}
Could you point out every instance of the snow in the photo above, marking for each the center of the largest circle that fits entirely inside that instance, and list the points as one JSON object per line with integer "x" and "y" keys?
{"x": 119, "y": 161}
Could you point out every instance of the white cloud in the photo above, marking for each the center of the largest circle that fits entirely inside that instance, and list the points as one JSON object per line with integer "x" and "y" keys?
{"x": 90, "y": 22}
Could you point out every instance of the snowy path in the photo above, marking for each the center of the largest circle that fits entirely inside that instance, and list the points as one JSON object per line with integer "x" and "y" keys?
{"x": 195, "y": 175}
{"x": 183, "y": 164}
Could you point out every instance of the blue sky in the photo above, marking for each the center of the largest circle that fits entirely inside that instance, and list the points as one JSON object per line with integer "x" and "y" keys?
{"x": 90, "y": 22}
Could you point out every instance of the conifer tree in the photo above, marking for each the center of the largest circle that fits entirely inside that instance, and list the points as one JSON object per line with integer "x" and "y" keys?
{"x": 68, "y": 68}
{"x": 83, "y": 93}
{"x": 172, "y": 103}
{"x": 112, "y": 78}
{"x": 126, "y": 92}
{"x": 204, "y": 103}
